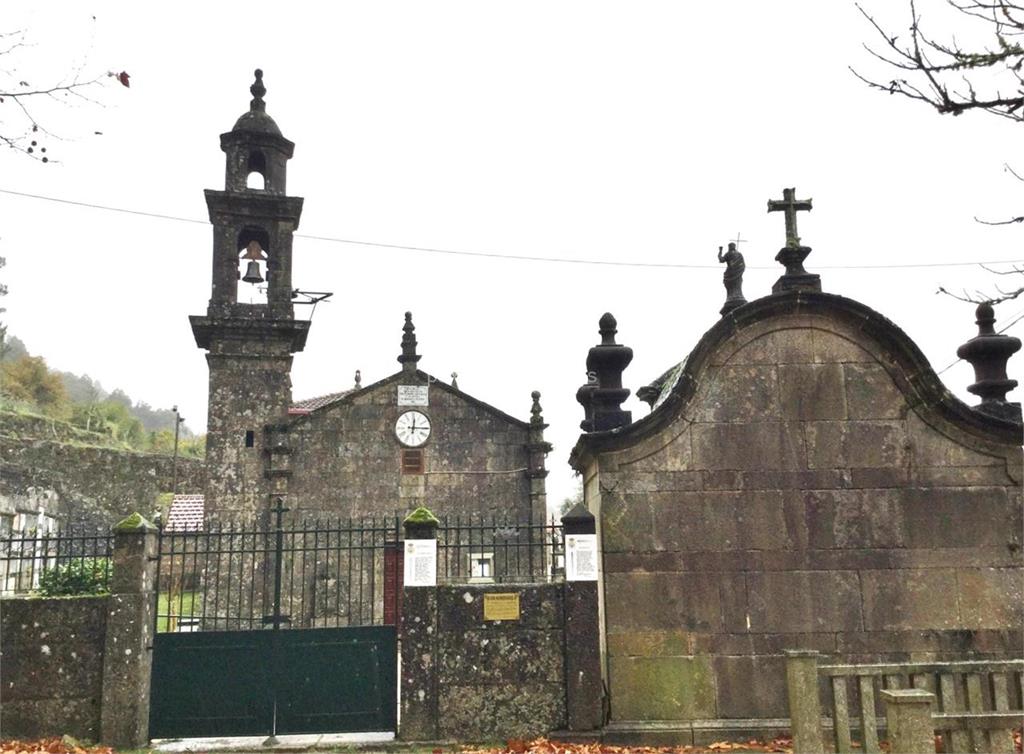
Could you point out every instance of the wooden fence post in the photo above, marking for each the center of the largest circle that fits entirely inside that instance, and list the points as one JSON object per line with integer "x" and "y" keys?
{"x": 909, "y": 712}
{"x": 804, "y": 704}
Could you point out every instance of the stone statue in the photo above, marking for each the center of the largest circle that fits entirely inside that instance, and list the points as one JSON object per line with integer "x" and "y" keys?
{"x": 733, "y": 277}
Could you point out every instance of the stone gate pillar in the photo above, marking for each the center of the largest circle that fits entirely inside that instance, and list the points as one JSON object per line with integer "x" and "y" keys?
{"x": 127, "y": 653}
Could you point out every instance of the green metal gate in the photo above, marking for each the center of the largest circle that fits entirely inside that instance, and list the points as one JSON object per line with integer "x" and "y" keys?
{"x": 226, "y": 683}
{"x": 267, "y": 629}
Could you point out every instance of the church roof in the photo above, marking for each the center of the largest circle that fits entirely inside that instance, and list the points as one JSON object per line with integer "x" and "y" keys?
{"x": 312, "y": 404}
{"x": 301, "y": 409}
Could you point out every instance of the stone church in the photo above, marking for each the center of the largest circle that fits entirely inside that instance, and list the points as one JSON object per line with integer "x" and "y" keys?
{"x": 407, "y": 440}
{"x": 804, "y": 481}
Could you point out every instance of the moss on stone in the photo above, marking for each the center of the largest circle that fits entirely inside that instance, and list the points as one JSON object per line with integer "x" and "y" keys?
{"x": 134, "y": 522}
{"x": 421, "y": 516}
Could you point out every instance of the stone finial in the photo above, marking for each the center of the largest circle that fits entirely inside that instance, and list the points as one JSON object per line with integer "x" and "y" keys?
{"x": 359, "y": 380}
{"x": 535, "y": 410}
{"x": 732, "y": 279}
{"x": 455, "y": 380}
{"x": 603, "y": 394}
{"x": 988, "y": 353}
{"x": 793, "y": 254}
{"x": 537, "y": 448}
{"x": 409, "y": 356}
{"x": 258, "y": 90}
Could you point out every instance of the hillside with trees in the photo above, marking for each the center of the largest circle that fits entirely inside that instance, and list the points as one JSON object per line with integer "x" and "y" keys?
{"x": 29, "y": 388}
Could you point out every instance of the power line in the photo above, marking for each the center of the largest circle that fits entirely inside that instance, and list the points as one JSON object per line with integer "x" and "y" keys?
{"x": 1017, "y": 318}
{"x": 514, "y": 257}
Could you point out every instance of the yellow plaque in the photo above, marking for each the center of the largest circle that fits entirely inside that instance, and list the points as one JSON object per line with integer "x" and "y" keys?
{"x": 501, "y": 606}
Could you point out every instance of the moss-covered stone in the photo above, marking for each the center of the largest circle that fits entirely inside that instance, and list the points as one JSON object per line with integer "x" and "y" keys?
{"x": 663, "y": 688}
{"x": 421, "y": 516}
{"x": 134, "y": 522}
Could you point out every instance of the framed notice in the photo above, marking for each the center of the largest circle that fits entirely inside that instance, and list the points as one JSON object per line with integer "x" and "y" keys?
{"x": 420, "y": 562}
{"x": 413, "y": 395}
{"x": 581, "y": 557}
{"x": 501, "y": 606}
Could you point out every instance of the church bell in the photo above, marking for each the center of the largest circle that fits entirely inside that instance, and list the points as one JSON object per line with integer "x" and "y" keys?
{"x": 252, "y": 273}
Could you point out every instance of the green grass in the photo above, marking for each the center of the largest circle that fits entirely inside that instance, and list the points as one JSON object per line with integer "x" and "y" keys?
{"x": 183, "y": 604}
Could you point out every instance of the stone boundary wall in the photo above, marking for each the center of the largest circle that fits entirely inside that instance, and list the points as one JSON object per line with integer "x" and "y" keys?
{"x": 81, "y": 665}
{"x": 88, "y": 483}
{"x": 51, "y": 666}
{"x": 471, "y": 679}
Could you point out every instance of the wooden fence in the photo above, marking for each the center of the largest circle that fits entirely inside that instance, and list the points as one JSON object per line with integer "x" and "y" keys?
{"x": 979, "y": 703}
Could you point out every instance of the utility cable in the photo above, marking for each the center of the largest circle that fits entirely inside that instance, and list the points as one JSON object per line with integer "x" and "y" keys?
{"x": 513, "y": 257}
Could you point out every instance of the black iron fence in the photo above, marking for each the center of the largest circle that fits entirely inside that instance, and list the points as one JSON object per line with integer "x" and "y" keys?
{"x": 66, "y": 561}
{"x": 307, "y": 572}
{"x": 482, "y": 548}
{"x": 298, "y": 569}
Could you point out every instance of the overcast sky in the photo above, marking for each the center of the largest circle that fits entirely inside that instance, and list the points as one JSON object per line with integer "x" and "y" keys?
{"x": 642, "y": 132}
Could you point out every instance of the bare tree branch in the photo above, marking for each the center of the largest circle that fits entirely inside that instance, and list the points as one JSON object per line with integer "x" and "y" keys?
{"x": 932, "y": 62}
{"x": 26, "y": 111}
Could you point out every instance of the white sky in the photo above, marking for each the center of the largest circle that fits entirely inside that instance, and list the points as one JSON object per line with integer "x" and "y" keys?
{"x": 641, "y": 131}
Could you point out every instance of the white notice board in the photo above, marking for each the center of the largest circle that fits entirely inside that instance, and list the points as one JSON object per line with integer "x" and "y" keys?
{"x": 420, "y": 562}
{"x": 581, "y": 557}
{"x": 413, "y": 395}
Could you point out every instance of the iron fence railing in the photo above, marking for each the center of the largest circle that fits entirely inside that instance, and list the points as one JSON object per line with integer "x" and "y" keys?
{"x": 308, "y": 572}
{"x": 27, "y": 556}
{"x": 301, "y": 569}
{"x": 495, "y": 548}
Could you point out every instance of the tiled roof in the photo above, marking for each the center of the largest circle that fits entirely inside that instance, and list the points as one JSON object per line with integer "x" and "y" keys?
{"x": 186, "y": 513}
{"x": 311, "y": 404}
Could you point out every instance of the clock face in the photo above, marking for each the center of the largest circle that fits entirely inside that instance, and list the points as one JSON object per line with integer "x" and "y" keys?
{"x": 412, "y": 428}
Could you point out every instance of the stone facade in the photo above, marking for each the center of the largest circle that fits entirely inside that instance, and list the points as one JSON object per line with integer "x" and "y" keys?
{"x": 805, "y": 482}
{"x": 346, "y": 458}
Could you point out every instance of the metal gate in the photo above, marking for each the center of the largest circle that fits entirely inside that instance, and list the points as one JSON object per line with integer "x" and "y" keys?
{"x": 269, "y": 627}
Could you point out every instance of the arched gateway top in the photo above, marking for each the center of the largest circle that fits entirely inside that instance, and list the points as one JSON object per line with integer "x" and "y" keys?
{"x": 745, "y": 334}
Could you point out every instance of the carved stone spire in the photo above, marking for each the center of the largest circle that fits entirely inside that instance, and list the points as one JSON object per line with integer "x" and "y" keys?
{"x": 988, "y": 353}
{"x": 455, "y": 380}
{"x": 409, "y": 356}
{"x": 537, "y": 449}
{"x": 258, "y": 90}
{"x": 605, "y": 363}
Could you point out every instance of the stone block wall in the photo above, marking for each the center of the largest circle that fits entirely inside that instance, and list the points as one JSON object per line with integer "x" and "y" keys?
{"x": 86, "y": 483}
{"x": 811, "y": 491}
{"x": 470, "y": 679}
{"x": 346, "y": 457}
{"x": 500, "y": 679}
{"x": 51, "y": 666}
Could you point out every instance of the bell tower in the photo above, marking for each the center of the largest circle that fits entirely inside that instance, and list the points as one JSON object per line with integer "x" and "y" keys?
{"x": 249, "y": 330}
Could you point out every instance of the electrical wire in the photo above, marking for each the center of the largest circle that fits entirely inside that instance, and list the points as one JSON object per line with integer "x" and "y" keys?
{"x": 1018, "y": 317}
{"x": 513, "y": 257}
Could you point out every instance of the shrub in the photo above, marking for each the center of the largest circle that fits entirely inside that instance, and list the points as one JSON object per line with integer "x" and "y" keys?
{"x": 79, "y": 576}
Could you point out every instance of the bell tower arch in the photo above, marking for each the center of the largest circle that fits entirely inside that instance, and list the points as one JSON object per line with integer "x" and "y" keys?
{"x": 249, "y": 345}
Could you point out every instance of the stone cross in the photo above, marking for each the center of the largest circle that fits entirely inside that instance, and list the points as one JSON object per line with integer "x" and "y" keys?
{"x": 790, "y": 205}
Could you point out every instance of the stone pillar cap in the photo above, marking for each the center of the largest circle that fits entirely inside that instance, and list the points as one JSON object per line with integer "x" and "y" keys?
{"x": 133, "y": 523}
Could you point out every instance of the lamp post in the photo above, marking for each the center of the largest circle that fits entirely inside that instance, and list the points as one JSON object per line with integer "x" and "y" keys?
{"x": 178, "y": 419}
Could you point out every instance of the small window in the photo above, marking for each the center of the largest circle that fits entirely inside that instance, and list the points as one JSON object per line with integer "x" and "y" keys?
{"x": 412, "y": 461}
{"x": 481, "y": 567}
{"x": 250, "y": 438}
